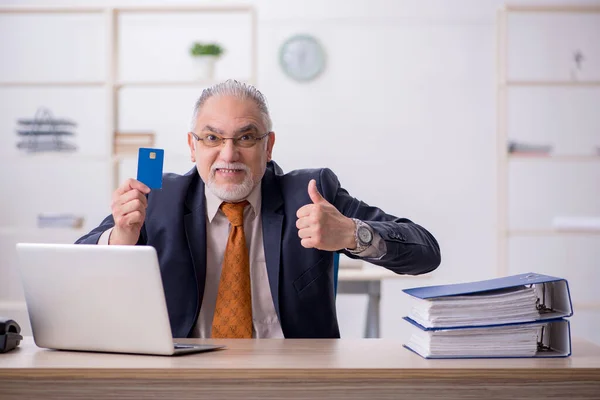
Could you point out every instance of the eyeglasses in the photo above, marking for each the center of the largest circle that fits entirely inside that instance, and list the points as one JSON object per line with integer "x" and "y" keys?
{"x": 245, "y": 141}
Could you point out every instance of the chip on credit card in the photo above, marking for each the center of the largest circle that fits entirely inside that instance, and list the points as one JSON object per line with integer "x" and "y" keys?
{"x": 150, "y": 167}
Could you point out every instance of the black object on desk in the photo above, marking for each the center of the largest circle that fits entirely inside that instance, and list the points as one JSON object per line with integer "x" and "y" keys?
{"x": 10, "y": 335}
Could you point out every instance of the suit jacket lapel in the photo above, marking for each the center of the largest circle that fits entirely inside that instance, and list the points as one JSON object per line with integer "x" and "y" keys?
{"x": 195, "y": 230}
{"x": 272, "y": 224}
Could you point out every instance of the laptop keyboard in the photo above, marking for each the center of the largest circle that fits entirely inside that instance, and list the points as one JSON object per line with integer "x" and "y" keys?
{"x": 183, "y": 346}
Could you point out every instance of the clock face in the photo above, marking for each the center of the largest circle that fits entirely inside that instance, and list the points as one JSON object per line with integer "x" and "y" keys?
{"x": 302, "y": 58}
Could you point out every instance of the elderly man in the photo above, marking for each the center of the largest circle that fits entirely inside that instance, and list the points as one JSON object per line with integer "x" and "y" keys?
{"x": 244, "y": 249}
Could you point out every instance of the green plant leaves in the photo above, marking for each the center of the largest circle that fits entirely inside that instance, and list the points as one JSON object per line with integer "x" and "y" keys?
{"x": 206, "y": 49}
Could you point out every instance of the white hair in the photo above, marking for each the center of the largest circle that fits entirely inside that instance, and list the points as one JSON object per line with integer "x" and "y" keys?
{"x": 236, "y": 89}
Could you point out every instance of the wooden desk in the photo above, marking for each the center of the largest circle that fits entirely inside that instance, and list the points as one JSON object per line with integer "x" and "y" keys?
{"x": 295, "y": 369}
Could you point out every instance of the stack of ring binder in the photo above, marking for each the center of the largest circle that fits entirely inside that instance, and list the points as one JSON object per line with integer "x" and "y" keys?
{"x": 516, "y": 316}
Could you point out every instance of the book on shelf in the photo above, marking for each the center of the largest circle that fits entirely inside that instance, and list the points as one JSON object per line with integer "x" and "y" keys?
{"x": 127, "y": 143}
{"x": 524, "y": 148}
{"x": 514, "y": 316}
{"x": 591, "y": 224}
{"x": 58, "y": 220}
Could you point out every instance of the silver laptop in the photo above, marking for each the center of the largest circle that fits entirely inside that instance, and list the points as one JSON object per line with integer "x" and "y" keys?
{"x": 98, "y": 298}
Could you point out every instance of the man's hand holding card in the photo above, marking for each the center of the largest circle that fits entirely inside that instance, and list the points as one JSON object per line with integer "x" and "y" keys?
{"x": 129, "y": 201}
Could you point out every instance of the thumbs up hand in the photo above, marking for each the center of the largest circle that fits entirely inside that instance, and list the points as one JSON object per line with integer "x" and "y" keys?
{"x": 321, "y": 226}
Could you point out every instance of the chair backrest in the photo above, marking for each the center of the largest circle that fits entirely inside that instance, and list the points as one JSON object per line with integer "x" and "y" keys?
{"x": 336, "y": 270}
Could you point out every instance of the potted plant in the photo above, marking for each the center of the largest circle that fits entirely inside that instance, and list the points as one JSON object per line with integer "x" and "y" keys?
{"x": 205, "y": 55}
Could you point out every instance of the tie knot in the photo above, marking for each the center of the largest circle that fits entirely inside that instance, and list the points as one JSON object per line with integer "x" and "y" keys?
{"x": 234, "y": 212}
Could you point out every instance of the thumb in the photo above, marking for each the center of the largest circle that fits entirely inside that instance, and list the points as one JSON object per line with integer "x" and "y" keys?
{"x": 314, "y": 194}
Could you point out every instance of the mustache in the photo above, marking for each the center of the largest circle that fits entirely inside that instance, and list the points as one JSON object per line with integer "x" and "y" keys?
{"x": 222, "y": 165}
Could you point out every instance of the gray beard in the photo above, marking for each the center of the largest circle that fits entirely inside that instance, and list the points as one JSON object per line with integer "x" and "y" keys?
{"x": 232, "y": 194}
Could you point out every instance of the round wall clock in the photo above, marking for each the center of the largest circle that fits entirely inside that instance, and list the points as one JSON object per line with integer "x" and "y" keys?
{"x": 302, "y": 57}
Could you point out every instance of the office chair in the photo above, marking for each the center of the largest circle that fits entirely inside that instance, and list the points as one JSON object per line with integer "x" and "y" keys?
{"x": 336, "y": 270}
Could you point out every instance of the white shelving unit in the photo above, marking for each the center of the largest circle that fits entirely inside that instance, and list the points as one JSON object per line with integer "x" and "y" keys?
{"x": 115, "y": 82}
{"x": 112, "y": 84}
{"x": 505, "y": 84}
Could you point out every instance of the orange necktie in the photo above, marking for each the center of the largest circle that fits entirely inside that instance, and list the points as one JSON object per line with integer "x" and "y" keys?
{"x": 233, "y": 310}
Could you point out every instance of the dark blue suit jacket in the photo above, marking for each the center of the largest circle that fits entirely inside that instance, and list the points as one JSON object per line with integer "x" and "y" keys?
{"x": 301, "y": 280}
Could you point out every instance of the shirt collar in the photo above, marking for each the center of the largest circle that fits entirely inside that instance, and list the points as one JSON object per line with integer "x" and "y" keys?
{"x": 213, "y": 202}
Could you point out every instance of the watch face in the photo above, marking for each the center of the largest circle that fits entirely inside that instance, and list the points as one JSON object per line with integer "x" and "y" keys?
{"x": 364, "y": 235}
{"x": 302, "y": 58}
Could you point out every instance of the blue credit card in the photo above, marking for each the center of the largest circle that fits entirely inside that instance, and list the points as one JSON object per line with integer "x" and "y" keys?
{"x": 150, "y": 167}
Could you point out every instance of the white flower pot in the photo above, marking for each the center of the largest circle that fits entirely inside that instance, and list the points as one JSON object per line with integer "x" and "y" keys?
{"x": 205, "y": 67}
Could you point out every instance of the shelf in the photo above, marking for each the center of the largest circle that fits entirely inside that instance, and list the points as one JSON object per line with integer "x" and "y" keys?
{"x": 221, "y": 7}
{"x": 551, "y": 232}
{"x": 550, "y": 9}
{"x": 52, "y": 84}
{"x": 113, "y": 18}
{"x": 53, "y": 157}
{"x": 166, "y": 83}
{"x": 553, "y": 158}
{"x": 117, "y": 159}
{"x": 552, "y": 83}
{"x": 49, "y": 9}
{"x": 558, "y": 85}
{"x": 13, "y": 230}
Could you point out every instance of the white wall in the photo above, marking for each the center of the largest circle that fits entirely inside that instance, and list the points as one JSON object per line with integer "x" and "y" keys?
{"x": 404, "y": 113}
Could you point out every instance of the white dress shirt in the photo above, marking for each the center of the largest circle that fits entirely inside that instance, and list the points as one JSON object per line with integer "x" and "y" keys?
{"x": 264, "y": 317}
{"x": 265, "y": 321}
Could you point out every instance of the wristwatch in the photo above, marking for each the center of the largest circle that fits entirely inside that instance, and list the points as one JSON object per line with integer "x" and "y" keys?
{"x": 363, "y": 235}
